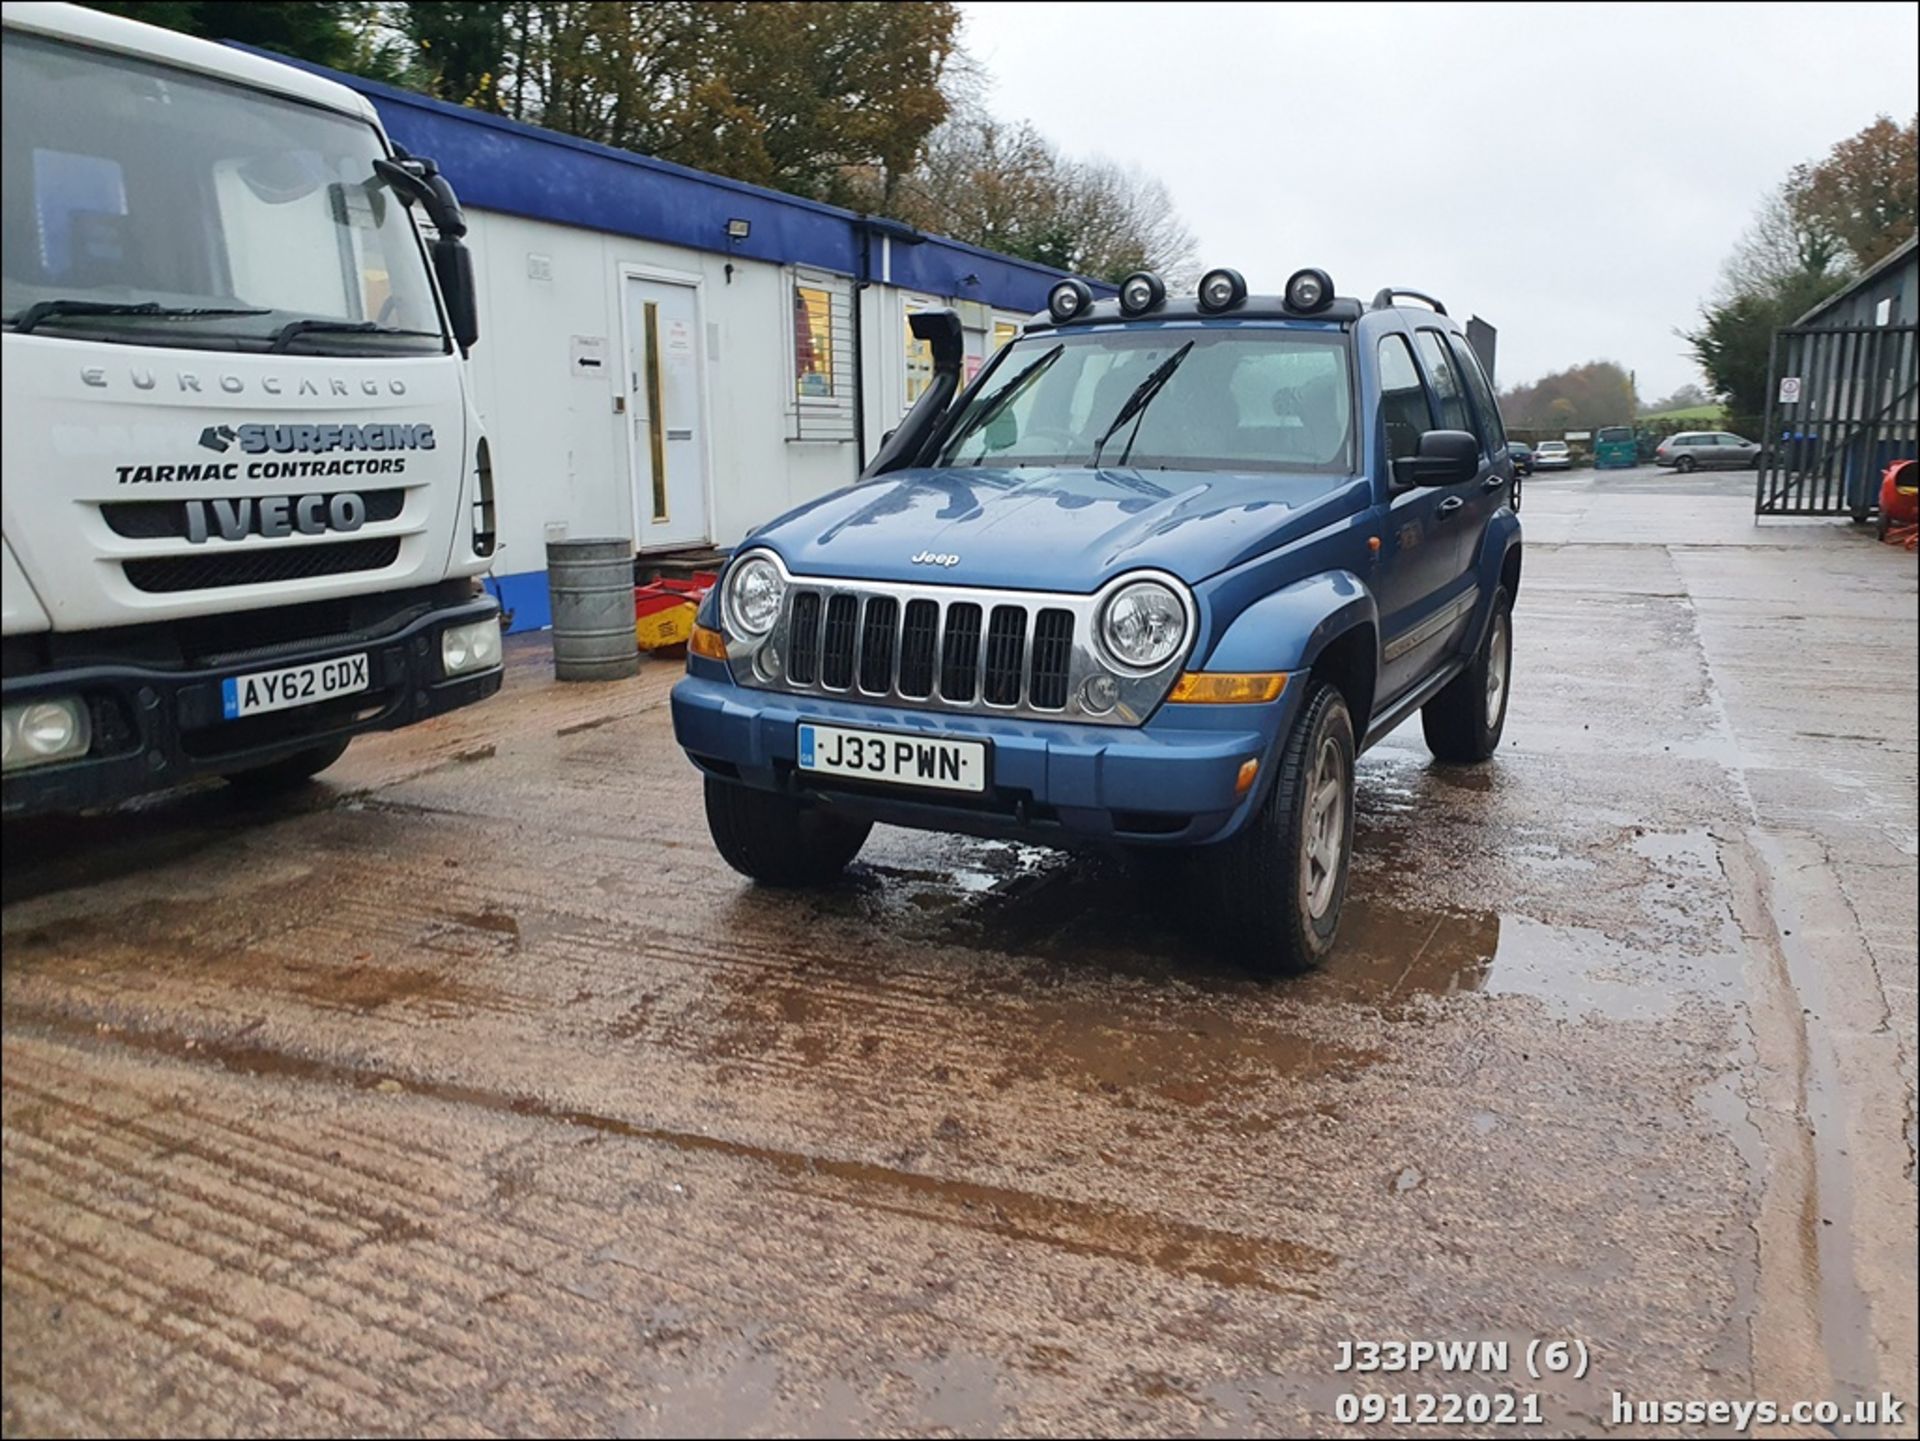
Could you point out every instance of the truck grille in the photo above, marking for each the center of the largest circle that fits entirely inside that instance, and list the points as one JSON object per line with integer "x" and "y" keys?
{"x": 167, "y": 519}
{"x": 161, "y": 575}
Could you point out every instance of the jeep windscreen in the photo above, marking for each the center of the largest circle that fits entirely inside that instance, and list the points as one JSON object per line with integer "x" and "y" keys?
{"x": 1250, "y": 398}
{"x": 151, "y": 206}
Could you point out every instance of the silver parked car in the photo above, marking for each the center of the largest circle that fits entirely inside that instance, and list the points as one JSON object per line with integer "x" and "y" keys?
{"x": 1552, "y": 455}
{"x": 1702, "y": 449}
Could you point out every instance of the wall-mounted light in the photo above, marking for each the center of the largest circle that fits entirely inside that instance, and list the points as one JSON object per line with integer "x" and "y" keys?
{"x": 739, "y": 229}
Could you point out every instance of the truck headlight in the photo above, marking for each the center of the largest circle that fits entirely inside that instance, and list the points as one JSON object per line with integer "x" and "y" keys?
{"x": 1144, "y": 625}
{"x": 470, "y": 647}
{"x": 39, "y": 732}
{"x": 755, "y": 590}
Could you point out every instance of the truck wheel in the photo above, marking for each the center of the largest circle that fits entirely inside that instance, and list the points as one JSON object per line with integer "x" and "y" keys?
{"x": 1279, "y": 885}
{"x": 779, "y": 841}
{"x": 289, "y": 772}
{"x": 1463, "y": 723}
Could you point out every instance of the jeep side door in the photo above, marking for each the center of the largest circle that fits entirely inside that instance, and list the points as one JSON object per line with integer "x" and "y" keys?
{"x": 1493, "y": 487}
{"x": 1418, "y": 569}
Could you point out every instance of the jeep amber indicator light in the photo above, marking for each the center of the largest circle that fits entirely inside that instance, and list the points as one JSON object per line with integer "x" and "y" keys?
{"x": 708, "y": 642}
{"x": 1199, "y": 687}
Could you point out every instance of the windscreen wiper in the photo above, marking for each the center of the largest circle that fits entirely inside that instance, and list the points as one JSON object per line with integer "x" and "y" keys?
{"x": 1142, "y": 397}
{"x": 1009, "y": 393}
{"x": 293, "y": 329}
{"x": 25, "y": 320}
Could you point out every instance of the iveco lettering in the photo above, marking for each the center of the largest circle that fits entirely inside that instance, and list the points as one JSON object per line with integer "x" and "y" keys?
{"x": 248, "y": 501}
{"x": 1193, "y": 557}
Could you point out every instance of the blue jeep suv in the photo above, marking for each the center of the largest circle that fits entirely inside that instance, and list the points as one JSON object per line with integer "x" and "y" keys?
{"x": 1152, "y": 580}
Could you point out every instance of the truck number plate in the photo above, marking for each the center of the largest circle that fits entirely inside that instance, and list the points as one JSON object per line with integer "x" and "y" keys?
{"x": 894, "y": 759}
{"x": 265, "y": 690}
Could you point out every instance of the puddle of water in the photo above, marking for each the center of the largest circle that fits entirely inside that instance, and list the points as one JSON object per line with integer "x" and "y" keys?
{"x": 1391, "y": 957}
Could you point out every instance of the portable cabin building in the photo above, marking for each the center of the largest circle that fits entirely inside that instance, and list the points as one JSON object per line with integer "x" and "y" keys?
{"x": 673, "y": 356}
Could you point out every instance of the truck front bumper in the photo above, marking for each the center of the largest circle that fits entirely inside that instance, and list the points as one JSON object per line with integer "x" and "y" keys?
{"x": 159, "y": 726}
{"x": 1172, "y": 782}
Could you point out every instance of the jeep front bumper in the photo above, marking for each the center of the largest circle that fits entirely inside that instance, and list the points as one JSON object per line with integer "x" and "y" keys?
{"x": 1173, "y": 781}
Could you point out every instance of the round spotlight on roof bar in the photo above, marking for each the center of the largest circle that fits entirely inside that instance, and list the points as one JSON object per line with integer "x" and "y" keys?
{"x": 1068, "y": 299}
{"x": 1222, "y": 289}
{"x": 1309, "y": 290}
{"x": 1141, "y": 292}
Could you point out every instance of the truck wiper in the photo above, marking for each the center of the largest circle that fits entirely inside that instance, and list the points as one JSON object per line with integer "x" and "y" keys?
{"x": 293, "y": 329}
{"x": 1142, "y": 397}
{"x": 25, "y": 320}
{"x": 1011, "y": 392}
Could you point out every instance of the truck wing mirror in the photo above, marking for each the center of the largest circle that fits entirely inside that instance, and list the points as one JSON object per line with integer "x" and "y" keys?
{"x": 1445, "y": 457}
{"x": 453, "y": 268}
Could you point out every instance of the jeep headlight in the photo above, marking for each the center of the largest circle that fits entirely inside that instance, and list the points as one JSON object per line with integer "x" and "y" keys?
{"x": 1143, "y": 625}
{"x": 755, "y": 589}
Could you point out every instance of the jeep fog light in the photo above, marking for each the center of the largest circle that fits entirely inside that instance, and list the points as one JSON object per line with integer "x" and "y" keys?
{"x": 1309, "y": 290}
{"x": 470, "y": 647}
{"x": 39, "y": 732}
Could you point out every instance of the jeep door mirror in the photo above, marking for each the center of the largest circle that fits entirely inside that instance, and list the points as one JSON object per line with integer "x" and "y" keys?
{"x": 1445, "y": 457}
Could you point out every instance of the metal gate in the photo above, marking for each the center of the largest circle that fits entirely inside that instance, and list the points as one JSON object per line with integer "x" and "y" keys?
{"x": 1840, "y": 410}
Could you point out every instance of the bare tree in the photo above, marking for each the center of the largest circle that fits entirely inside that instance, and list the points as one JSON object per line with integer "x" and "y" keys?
{"x": 1006, "y": 187}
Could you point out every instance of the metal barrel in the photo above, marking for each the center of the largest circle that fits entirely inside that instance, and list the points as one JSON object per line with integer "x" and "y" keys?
{"x": 590, "y": 583}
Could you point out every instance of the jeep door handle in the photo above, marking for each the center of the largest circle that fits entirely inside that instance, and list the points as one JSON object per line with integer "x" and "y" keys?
{"x": 1449, "y": 508}
{"x": 1494, "y": 482}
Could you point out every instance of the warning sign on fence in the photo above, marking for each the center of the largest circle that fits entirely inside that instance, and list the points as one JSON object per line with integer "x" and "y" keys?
{"x": 1789, "y": 390}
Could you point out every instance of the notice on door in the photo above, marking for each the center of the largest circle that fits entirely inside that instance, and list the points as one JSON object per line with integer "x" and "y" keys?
{"x": 1789, "y": 390}
{"x": 588, "y": 357}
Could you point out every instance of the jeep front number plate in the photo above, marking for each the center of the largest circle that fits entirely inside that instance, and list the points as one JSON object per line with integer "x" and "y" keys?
{"x": 892, "y": 758}
{"x": 266, "y": 690}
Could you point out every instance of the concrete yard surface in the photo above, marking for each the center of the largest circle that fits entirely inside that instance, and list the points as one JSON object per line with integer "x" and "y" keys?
{"x": 470, "y": 1093}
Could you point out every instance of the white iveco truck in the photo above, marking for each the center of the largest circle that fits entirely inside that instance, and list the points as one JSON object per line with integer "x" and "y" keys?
{"x": 247, "y": 502}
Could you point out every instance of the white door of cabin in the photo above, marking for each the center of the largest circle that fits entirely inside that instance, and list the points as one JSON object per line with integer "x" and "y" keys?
{"x": 667, "y": 411}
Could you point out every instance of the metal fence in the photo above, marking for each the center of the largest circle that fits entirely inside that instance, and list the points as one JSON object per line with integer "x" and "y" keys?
{"x": 1840, "y": 410}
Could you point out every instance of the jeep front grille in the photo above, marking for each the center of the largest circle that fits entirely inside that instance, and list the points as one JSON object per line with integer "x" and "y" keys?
{"x": 945, "y": 648}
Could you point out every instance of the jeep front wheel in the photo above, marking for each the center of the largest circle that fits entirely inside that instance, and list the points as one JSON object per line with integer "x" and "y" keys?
{"x": 777, "y": 840}
{"x": 1279, "y": 885}
{"x": 1463, "y": 723}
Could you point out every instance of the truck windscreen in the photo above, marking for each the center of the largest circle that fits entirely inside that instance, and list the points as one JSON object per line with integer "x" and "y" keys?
{"x": 1166, "y": 398}
{"x": 151, "y": 205}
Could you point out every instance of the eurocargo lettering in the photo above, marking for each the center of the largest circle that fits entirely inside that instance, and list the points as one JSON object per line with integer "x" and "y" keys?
{"x": 248, "y": 501}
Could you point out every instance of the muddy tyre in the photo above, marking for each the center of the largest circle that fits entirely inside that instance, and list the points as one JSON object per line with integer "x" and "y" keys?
{"x": 777, "y": 840}
{"x": 1277, "y": 887}
{"x": 288, "y": 773}
{"x": 1463, "y": 723}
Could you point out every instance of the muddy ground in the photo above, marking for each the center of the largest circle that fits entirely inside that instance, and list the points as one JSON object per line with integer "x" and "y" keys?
{"x": 472, "y": 1094}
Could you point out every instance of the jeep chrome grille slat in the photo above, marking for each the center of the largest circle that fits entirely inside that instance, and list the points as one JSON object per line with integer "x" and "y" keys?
{"x": 947, "y": 648}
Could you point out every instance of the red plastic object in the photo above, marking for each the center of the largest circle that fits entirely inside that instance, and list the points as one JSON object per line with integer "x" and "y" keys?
{"x": 1900, "y": 504}
{"x": 663, "y": 609}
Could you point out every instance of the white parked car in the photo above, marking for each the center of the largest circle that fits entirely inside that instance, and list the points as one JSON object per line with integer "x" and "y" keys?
{"x": 1552, "y": 455}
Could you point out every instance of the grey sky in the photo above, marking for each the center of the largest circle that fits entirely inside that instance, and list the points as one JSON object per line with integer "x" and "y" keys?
{"x": 1575, "y": 174}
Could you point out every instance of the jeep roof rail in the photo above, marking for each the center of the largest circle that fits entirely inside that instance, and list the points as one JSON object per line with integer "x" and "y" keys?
{"x": 1384, "y": 300}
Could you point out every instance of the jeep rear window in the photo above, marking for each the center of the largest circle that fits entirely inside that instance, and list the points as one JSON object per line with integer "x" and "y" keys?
{"x": 1250, "y": 398}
